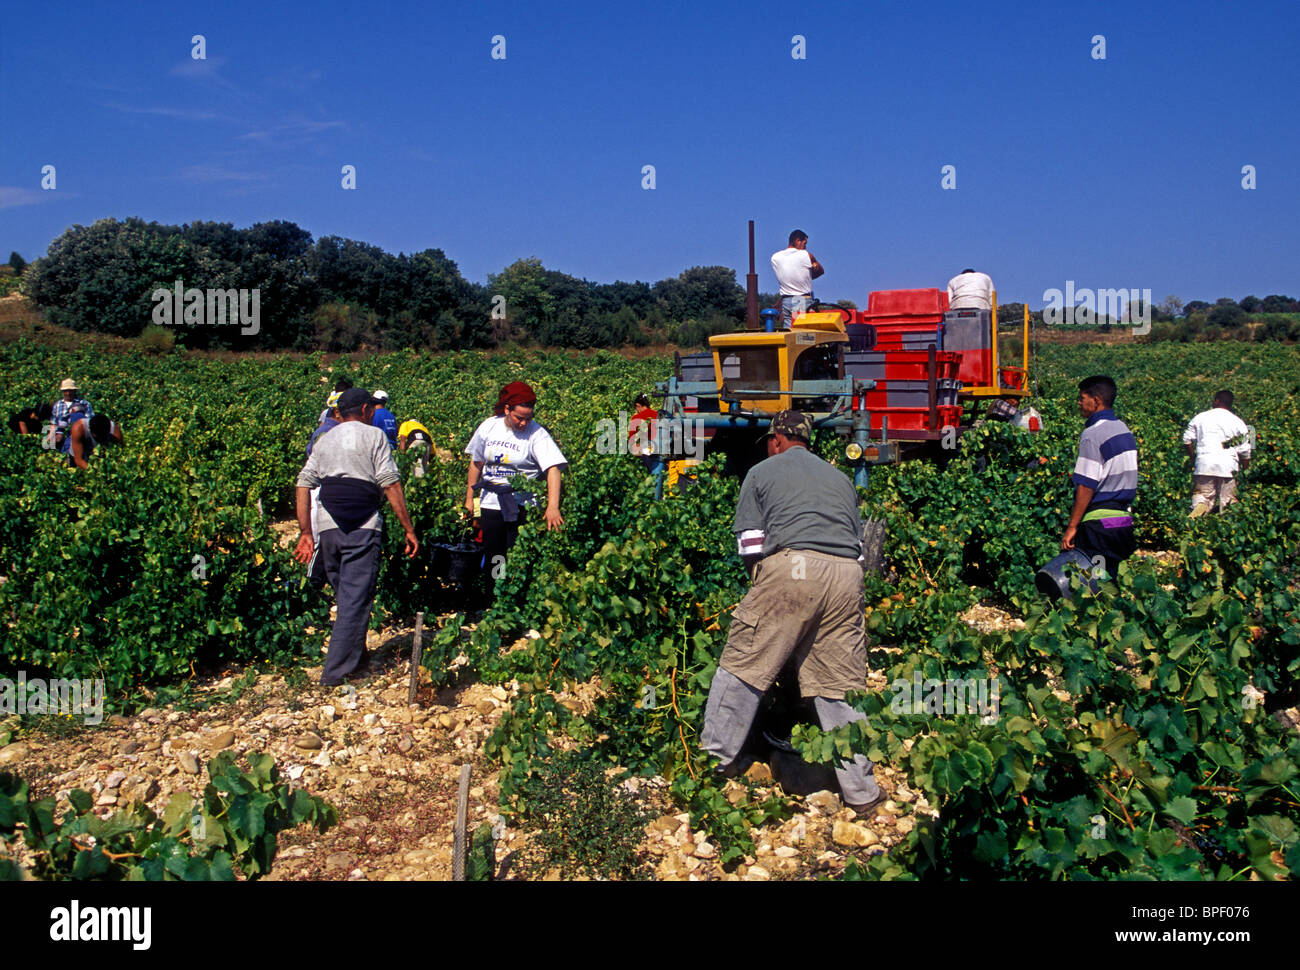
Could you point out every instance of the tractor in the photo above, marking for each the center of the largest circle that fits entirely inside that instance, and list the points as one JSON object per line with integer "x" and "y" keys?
{"x": 904, "y": 378}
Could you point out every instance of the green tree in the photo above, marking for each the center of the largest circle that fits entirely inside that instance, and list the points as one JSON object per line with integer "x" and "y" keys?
{"x": 1226, "y": 314}
{"x": 528, "y": 302}
{"x": 700, "y": 292}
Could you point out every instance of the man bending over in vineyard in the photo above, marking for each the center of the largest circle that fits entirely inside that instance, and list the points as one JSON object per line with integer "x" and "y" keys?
{"x": 83, "y": 435}
{"x": 800, "y": 536}
{"x": 1219, "y": 441}
{"x": 1105, "y": 480}
{"x": 354, "y": 468}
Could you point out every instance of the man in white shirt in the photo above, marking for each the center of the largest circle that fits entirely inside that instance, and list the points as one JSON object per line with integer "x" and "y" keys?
{"x": 1219, "y": 441}
{"x": 969, "y": 290}
{"x": 795, "y": 269}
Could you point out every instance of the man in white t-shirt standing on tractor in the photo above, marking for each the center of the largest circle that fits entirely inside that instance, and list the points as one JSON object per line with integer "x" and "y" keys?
{"x": 795, "y": 269}
{"x": 1219, "y": 441}
{"x": 969, "y": 290}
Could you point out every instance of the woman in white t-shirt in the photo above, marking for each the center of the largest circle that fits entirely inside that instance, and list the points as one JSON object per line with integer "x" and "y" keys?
{"x": 510, "y": 443}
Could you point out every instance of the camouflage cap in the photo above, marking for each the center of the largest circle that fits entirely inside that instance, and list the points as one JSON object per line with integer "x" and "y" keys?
{"x": 792, "y": 424}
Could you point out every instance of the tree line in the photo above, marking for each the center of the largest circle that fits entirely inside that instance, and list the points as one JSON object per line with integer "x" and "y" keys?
{"x": 341, "y": 295}
{"x": 1274, "y": 317}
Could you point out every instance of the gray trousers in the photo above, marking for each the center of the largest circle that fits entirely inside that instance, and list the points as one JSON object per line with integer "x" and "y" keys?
{"x": 351, "y": 565}
{"x": 730, "y": 713}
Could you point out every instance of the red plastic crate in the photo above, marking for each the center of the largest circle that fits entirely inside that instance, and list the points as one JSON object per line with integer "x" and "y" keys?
{"x": 906, "y": 302}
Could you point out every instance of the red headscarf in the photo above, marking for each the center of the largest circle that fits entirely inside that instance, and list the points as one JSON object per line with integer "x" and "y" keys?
{"x": 513, "y": 395}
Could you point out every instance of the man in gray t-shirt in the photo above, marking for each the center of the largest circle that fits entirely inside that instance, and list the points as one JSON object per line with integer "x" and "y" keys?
{"x": 354, "y": 469}
{"x": 794, "y": 500}
{"x": 798, "y": 531}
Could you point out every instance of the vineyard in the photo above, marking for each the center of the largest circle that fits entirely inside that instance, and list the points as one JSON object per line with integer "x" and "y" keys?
{"x": 1137, "y": 735}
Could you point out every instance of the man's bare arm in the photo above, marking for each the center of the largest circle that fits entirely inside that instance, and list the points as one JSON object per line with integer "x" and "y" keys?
{"x": 1082, "y": 496}
{"x": 78, "y": 446}
{"x": 306, "y": 545}
{"x": 397, "y": 499}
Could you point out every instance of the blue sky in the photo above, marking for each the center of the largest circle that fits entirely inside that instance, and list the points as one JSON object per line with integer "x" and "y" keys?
{"x": 1122, "y": 172}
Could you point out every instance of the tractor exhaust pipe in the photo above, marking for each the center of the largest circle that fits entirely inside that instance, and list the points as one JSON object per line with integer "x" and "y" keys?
{"x": 751, "y": 286}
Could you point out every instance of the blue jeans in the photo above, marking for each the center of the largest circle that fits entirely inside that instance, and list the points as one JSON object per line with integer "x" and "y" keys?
{"x": 790, "y": 305}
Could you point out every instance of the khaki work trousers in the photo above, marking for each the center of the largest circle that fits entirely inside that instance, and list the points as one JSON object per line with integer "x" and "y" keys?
{"x": 1210, "y": 489}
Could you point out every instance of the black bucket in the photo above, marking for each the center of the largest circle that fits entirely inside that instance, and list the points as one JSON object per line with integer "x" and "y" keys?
{"x": 1053, "y": 579}
{"x": 456, "y": 564}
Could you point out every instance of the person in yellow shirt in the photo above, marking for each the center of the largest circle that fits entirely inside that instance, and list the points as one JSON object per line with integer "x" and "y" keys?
{"x": 414, "y": 437}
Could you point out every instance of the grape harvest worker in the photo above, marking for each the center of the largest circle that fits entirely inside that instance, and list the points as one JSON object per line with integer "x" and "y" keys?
{"x": 969, "y": 290}
{"x": 510, "y": 443}
{"x": 66, "y": 409}
{"x": 795, "y": 269}
{"x": 83, "y": 435}
{"x": 354, "y": 468}
{"x": 1216, "y": 461}
{"x": 641, "y": 431}
{"x": 30, "y": 420}
{"x": 800, "y": 535}
{"x": 1105, "y": 479}
{"x": 332, "y": 402}
{"x": 384, "y": 419}
{"x": 414, "y": 437}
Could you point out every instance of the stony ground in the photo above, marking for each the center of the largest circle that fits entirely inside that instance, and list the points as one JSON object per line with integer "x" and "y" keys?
{"x": 391, "y": 770}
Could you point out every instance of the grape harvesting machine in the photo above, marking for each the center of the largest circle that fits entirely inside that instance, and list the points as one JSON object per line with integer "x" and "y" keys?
{"x": 903, "y": 378}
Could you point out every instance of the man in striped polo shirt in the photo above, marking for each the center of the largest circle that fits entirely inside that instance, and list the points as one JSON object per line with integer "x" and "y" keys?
{"x": 1105, "y": 479}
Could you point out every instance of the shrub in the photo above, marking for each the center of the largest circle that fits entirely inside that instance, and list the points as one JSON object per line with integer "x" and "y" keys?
{"x": 157, "y": 340}
{"x": 583, "y": 824}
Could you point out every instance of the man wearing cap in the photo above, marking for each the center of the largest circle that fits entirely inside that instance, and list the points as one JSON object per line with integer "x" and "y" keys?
{"x": 354, "y": 469}
{"x": 65, "y": 410}
{"x": 800, "y": 535}
{"x": 414, "y": 437}
{"x": 795, "y": 269}
{"x": 384, "y": 419}
{"x": 332, "y": 402}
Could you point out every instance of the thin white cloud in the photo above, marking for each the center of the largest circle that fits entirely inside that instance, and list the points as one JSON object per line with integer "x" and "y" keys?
{"x": 207, "y": 67}
{"x": 207, "y": 174}
{"x": 292, "y": 129}
{"x": 185, "y": 114}
{"x": 12, "y": 196}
